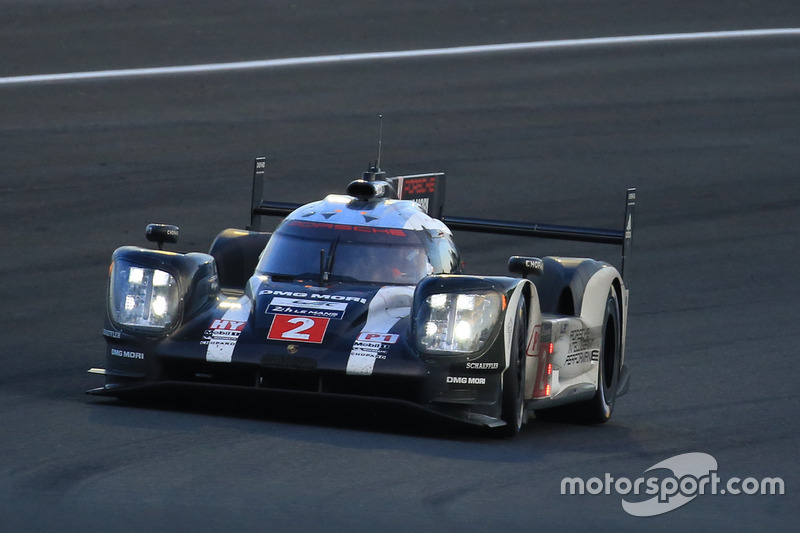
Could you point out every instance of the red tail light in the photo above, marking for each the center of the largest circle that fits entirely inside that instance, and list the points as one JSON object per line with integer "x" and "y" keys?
{"x": 545, "y": 372}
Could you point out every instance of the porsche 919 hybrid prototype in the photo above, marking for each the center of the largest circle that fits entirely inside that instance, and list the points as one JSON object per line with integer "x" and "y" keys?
{"x": 363, "y": 295}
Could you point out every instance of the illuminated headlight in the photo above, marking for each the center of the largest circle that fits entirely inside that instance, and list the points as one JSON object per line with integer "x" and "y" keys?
{"x": 143, "y": 297}
{"x": 460, "y": 323}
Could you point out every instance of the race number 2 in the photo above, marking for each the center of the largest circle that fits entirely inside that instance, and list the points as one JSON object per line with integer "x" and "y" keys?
{"x": 298, "y": 328}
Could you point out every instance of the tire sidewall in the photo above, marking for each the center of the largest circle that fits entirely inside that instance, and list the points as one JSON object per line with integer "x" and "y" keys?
{"x": 513, "y": 393}
{"x": 608, "y": 379}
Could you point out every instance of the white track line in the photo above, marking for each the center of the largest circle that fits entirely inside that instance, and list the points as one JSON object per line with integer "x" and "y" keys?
{"x": 372, "y": 56}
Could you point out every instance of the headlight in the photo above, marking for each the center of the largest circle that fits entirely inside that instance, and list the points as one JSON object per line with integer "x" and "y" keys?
{"x": 142, "y": 297}
{"x": 453, "y": 322}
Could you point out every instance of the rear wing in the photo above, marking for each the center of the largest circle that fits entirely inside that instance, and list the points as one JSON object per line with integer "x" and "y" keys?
{"x": 622, "y": 237}
{"x": 428, "y": 191}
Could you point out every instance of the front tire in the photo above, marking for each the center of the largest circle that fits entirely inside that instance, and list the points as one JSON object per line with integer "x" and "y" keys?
{"x": 513, "y": 395}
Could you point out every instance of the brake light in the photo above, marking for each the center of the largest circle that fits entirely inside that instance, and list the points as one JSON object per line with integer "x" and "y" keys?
{"x": 545, "y": 372}
{"x": 549, "y": 373}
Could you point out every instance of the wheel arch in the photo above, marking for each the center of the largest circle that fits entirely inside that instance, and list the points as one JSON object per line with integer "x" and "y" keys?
{"x": 525, "y": 291}
{"x": 599, "y": 286}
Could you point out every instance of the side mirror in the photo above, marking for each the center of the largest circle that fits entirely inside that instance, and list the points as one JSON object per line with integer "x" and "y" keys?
{"x": 525, "y": 266}
{"x": 162, "y": 233}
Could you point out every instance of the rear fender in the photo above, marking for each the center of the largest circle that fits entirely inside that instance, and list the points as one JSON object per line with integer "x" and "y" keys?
{"x": 596, "y": 292}
{"x": 594, "y": 301}
{"x": 563, "y": 282}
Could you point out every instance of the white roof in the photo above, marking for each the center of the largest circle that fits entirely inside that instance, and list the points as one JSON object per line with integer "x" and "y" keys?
{"x": 377, "y": 212}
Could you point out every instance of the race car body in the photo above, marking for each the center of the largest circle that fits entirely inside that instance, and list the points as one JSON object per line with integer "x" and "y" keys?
{"x": 363, "y": 295}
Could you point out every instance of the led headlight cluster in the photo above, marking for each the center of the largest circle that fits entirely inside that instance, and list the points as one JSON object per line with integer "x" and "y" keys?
{"x": 143, "y": 297}
{"x": 456, "y": 322}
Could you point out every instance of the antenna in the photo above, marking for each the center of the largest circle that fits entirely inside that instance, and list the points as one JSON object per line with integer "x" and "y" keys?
{"x": 380, "y": 140}
{"x": 373, "y": 172}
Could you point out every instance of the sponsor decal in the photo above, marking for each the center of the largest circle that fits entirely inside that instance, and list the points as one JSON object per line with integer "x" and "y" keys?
{"x": 424, "y": 203}
{"x": 534, "y": 263}
{"x": 388, "y": 338}
{"x": 348, "y": 227}
{"x": 311, "y": 308}
{"x": 580, "y": 357}
{"x": 126, "y": 354}
{"x": 483, "y": 366}
{"x": 581, "y": 342}
{"x": 223, "y": 330}
{"x": 368, "y": 347}
{"x": 223, "y": 333}
{"x": 672, "y": 483}
{"x": 533, "y": 346}
{"x": 381, "y": 318}
{"x": 112, "y": 334}
{"x": 375, "y": 350}
{"x": 298, "y": 328}
{"x": 221, "y": 324}
{"x": 170, "y": 232}
{"x": 464, "y": 380}
{"x": 314, "y": 296}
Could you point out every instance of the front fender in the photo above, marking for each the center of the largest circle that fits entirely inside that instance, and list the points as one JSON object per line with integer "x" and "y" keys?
{"x": 460, "y": 284}
{"x": 196, "y": 274}
{"x": 475, "y": 378}
{"x": 512, "y": 290}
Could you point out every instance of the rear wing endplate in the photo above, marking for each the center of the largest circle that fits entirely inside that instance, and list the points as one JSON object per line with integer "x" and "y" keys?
{"x": 428, "y": 190}
{"x": 425, "y": 189}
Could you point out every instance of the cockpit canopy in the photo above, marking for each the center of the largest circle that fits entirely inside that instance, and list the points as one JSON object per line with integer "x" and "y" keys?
{"x": 313, "y": 251}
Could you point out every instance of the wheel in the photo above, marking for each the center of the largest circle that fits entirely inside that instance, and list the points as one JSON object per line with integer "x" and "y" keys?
{"x": 598, "y": 410}
{"x": 513, "y": 395}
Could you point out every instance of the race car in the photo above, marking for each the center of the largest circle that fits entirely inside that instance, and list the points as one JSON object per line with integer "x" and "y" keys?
{"x": 363, "y": 295}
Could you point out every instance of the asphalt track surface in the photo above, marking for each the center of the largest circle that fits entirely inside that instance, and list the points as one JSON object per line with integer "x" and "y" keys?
{"x": 708, "y": 130}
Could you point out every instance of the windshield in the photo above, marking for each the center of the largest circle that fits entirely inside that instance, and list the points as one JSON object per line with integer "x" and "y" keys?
{"x": 302, "y": 250}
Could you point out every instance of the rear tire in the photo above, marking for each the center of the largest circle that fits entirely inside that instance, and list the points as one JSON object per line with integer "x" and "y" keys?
{"x": 598, "y": 410}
